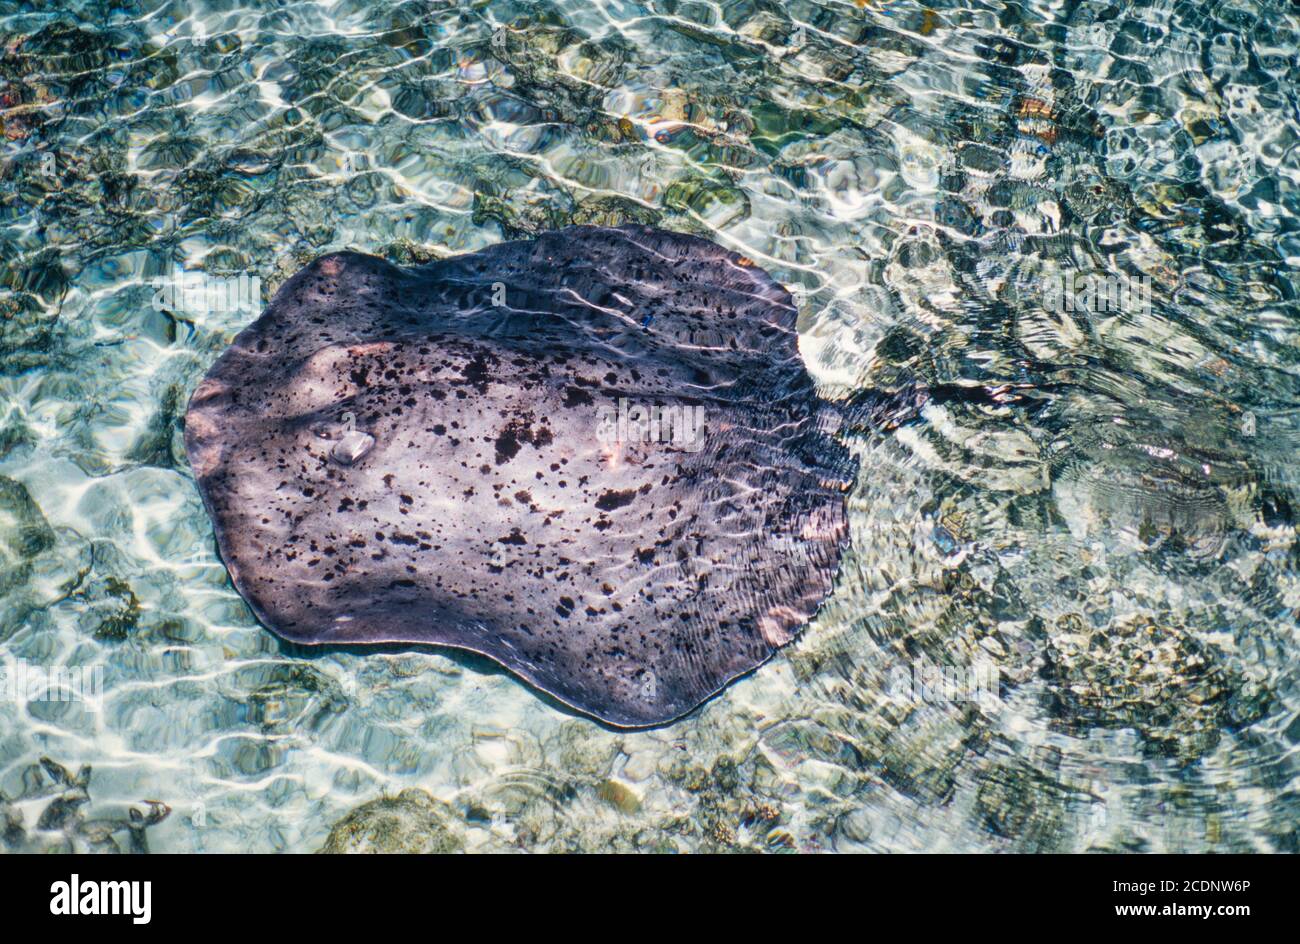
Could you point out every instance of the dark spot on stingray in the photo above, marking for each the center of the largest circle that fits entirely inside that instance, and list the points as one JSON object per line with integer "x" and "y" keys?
{"x": 611, "y": 500}
{"x": 693, "y": 568}
{"x": 507, "y": 444}
{"x": 576, "y": 396}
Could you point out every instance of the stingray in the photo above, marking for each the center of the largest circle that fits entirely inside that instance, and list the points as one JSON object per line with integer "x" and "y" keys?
{"x": 595, "y": 457}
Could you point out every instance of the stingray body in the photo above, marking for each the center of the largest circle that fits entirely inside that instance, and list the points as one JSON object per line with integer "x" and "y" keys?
{"x": 444, "y": 455}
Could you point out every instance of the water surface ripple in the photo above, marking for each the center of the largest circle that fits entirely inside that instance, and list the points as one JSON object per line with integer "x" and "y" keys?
{"x": 1106, "y": 515}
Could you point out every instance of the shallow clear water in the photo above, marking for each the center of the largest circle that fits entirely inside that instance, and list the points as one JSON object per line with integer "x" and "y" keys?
{"x": 1109, "y": 523}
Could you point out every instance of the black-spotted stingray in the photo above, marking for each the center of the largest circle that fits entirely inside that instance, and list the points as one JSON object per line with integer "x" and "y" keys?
{"x": 460, "y": 454}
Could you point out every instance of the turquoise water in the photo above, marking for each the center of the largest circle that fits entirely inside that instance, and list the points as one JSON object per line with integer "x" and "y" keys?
{"x": 1109, "y": 524}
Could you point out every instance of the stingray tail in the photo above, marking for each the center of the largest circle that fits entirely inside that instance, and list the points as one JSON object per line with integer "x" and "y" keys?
{"x": 871, "y": 410}
{"x": 878, "y": 409}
